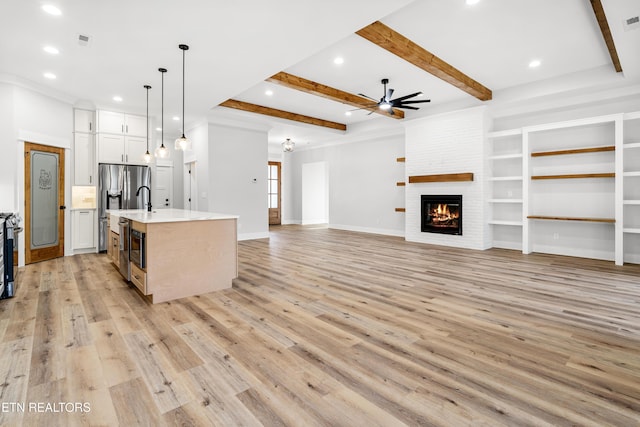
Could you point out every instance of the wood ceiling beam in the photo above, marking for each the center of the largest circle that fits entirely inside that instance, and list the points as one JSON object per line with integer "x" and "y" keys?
{"x": 399, "y": 45}
{"x": 606, "y": 33}
{"x": 328, "y": 92}
{"x": 267, "y": 111}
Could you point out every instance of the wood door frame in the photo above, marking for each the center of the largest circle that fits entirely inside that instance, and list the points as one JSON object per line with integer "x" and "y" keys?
{"x": 37, "y": 255}
{"x": 279, "y": 165}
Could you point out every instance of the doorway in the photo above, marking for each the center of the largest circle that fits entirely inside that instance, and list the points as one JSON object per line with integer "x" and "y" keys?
{"x": 44, "y": 202}
{"x": 274, "y": 193}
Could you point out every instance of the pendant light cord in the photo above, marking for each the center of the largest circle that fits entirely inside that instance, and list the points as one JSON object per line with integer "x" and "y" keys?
{"x": 183, "y": 51}
{"x": 147, "y": 87}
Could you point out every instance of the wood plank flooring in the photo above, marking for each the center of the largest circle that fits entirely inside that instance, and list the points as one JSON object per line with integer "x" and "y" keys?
{"x": 329, "y": 328}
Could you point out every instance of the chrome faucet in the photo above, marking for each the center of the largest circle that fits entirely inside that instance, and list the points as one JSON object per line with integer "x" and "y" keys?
{"x": 138, "y": 193}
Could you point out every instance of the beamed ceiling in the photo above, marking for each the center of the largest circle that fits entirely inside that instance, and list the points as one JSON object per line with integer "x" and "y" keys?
{"x": 458, "y": 55}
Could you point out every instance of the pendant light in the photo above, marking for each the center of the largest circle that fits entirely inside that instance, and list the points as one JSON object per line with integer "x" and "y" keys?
{"x": 288, "y": 145}
{"x": 162, "y": 151}
{"x": 182, "y": 143}
{"x": 147, "y": 155}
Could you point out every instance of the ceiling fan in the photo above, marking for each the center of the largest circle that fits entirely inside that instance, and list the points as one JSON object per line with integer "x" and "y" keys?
{"x": 386, "y": 103}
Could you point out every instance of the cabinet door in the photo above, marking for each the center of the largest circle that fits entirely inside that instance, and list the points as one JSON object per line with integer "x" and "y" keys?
{"x": 110, "y": 122}
{"x": 83, "y": 227}
{"x": 135, "y": 149}
{"x": 111, "y": 149}
{"x": 84, "y": 121}
{"x": 83, "y": 159}
{"x": 135, "y": 125}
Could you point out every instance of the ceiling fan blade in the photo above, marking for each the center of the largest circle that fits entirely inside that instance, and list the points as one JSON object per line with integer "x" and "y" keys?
{"x": 402, "y": 98}
{"x": 415, "y": 102}
{"x": 389, "y": 94}
{"x": 407, "y": 107}
{"x": 368, "y": 97}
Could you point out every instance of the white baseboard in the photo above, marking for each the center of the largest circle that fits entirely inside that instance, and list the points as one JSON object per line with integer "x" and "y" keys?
{"x": 501, "y": 244}
{"x": 383, "y": 231}
{"x": 291, "y": 222}
{"x": 253, "y": 236}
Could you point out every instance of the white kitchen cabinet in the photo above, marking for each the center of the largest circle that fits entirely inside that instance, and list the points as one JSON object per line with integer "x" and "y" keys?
{"x": 122, "y": 124}
{"x": 121, "y": 149}
{"x": 82, "y": 228}
{"x": 84, "y": 159}
{"x": 84, "y": 121}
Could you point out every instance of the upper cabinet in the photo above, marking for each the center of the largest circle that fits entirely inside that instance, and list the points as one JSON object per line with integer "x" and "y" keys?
{"x": 84, "y": 121}
{"x": 122, "y": 124}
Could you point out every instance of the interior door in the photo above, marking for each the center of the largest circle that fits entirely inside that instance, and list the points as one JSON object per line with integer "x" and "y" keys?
{"x": 44, "y": 202}
{"x": 274, "y": 193}
{"x": 164, "y": 179}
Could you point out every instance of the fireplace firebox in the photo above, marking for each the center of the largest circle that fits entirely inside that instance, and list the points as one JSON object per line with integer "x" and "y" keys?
{"x": 442, "y": 214}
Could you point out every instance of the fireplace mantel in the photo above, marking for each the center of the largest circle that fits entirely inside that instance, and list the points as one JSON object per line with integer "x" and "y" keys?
{"x": 448, "y": 177}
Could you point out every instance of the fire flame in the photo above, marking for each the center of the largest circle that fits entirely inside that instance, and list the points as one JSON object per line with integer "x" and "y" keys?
{"x": 441, "y": 214}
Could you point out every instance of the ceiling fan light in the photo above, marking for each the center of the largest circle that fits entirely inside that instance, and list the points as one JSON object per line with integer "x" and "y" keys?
{"x": 385, "y": 106}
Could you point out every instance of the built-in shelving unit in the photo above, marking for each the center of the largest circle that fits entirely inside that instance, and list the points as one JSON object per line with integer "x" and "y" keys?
{"x": 576, "y": 176}
{"x": 401, "y": 183}
{"x": 571, "y": 218}
{"x": 630, "y": 187}
{"x": 506, "y": 188}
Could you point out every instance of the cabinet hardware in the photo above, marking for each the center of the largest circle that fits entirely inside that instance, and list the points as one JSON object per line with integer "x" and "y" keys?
{"x": 89, "y": 126}
{"x": 122, "y": 128}
{"x": 127, "y": 128}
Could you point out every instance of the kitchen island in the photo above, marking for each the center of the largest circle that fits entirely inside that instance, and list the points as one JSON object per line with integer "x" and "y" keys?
{"x": 186, "y": 252}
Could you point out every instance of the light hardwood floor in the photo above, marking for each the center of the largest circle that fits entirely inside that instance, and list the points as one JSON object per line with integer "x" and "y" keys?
{"x": 329, "y": 328}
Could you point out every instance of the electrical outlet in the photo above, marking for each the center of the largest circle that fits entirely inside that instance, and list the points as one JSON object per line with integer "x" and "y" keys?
{"x": 556, "y": 236}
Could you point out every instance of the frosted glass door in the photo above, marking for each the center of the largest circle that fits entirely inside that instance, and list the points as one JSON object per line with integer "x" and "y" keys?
{"x": 44, "y": 199}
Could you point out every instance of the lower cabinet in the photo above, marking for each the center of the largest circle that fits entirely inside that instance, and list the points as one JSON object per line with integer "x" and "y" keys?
{"x": 114, "y": 247}
{"x": 139, "y": 278}
{"x": 83, "y": 228}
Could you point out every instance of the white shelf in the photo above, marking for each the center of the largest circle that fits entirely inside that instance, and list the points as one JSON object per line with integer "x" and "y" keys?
{"x": 505, "y": 200}
{"x": 511, "y": 223}
{"x": 631, "y": 230}
{"x": 632, "y": 173}
{"x": 506, "y": 156}
{"x": 631, "y": 145}
{"x": 504, "y": 133}
{"x": 631, "y": 202}
{"x": 506, "y": 178}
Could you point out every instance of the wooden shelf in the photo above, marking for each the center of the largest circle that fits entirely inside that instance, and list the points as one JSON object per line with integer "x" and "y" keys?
{"x": 401, "y": 210}
{"x": 401, "y": 184}
{"x": 577, "y": 175}
{"x": 400, "y": 159}
{"x": 574, "y": 151}
{"x": 448, "y": 177}
{"x": 570, "y": 218}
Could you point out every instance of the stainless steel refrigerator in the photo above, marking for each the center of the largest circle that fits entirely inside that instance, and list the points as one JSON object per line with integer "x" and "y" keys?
{"x": 117, "y": 185}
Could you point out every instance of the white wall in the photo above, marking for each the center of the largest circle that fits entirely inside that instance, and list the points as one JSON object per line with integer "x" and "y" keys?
{"x": 445, "y": 144}
{"x": 32, "y": 117}
{"x": 315, "y": 193}
{"x": 362, "y": 183}
{"x": 199, "y": 136}
{"x": 238, "y": 160}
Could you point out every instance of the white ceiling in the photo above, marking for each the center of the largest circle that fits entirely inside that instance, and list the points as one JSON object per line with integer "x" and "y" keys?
{"x": 234, "y": 46}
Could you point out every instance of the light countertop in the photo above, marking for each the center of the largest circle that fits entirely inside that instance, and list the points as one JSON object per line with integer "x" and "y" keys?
{"x": 168, "y": 215}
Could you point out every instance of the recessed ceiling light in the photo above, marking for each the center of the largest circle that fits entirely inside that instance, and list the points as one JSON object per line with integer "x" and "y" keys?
{"x": 268, "y": 92}
{"x": 347, "y": 113}
{"x": 471, "y": 2}
{"x": 50, "y": 49}
{"x": 535, "y": 63}
{"x": 176, "y": 118}
{"x": 50, "y": 76}
{"x": 339, "y": 60}
{"x": 51, "y": 9}
{"x": 117, "y": 98}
